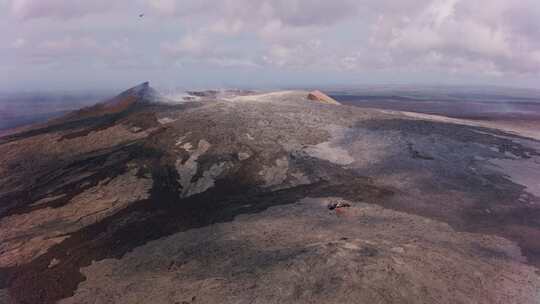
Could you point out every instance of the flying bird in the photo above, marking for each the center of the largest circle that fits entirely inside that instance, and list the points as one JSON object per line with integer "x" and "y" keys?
{"x": 141, "y": 15}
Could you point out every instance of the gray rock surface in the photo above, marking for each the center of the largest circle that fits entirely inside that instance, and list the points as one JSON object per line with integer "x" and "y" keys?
{"x": 226, "y": 200}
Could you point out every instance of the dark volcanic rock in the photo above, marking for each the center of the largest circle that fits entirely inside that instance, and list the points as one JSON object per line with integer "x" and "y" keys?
{"x": 338, "y": 205}
{"x": 135, "y": 200}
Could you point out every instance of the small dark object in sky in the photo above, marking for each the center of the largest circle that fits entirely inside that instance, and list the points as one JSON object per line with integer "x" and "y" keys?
{"x": 141, "y": 15}
{"x": 337, "y": 205}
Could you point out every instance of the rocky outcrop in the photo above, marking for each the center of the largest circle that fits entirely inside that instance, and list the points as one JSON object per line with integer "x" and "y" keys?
{"x": 140, "y": 95}
{"x": 321, "y": 97}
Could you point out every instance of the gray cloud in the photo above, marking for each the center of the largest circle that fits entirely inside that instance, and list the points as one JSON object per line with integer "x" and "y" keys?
{"x": 30, "y": 9}
{"x": 483, "y": 38}
{"x": 489, "y": 32}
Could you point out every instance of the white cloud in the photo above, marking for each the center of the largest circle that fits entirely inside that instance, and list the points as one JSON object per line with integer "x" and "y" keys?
{"x": 481, "y": 37}
{"x": 69, "y": 49}
{"x": 29, "y": 9}
{"x": 290, "y": 12}
{"x": 200, "y": 49}
{"x": 18, "y": 43}
{"x": 461, "y": 31}
{"x": 475, "y": 32}
{"x": 189, "y": 45}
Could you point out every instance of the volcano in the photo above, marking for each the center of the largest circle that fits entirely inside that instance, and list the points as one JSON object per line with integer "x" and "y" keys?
{"x": 281, "y": 197}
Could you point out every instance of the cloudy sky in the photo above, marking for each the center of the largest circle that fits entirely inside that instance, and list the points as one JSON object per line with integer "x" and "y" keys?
{"x": 77, "y": 44}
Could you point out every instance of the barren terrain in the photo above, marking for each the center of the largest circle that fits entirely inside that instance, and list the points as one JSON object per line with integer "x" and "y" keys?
{"x": 272, "y": 198}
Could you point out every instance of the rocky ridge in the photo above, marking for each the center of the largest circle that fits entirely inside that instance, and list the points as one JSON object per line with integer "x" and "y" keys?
{"x": 226, "y": 200}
